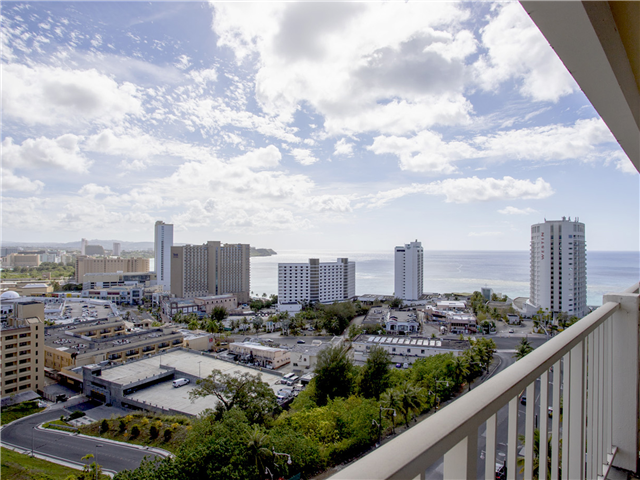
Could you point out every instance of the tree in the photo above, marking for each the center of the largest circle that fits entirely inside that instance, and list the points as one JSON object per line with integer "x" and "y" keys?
{"x": 409, "y": 400}
{"x": 256, "y": 446}
{"x": 396, "y": 303}
{"x": 218, "y": 313}
{"x": 334, "y": 374}
{"x": 245, "y": 391}
{"x": 391, "y": 399}
{"x": 536, "y": 455}
{"x": 523, "y": 349}
{"x": 374, "y": 376}
{"x": 460, "y": 367}
{"x": 91, "y": 470}
{"x": 104, "y": 426}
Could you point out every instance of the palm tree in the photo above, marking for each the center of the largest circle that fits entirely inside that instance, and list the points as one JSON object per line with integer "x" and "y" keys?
{"x": 256, "y": 446}
{"x": 409, "y": 400}
{"x": 391, "y": 399}
{"x": 536, "y": 455}
{"x": 460, "y": 367}
{"x": 523, "y": 349}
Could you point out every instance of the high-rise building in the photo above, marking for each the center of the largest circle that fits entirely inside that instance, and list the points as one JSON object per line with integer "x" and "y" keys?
{"x": 409, "y": 271}
{"x": 210, "y": 269}
{"x": 163, "y": 243}
{"x": 559, "y": 266}
{"x": 316, "y": 282}
{"x": 117, "y": 248}
{"x": 83, "y": 246}
{"x": 86, "y": 264}
{"x": 94, "y": 250}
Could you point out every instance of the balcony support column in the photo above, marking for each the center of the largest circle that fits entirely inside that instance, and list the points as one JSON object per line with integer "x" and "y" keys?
{"x": 625, "y": 354}
{"x": 461, "y": 461}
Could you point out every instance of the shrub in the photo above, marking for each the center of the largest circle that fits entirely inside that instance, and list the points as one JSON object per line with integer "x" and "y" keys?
{"x": 167, "y": 435}
{"x": 104, "y": 426}
{"x": 135, "y": 431}
{"x": 76, "y": 414}
{"x": 153, "y": 431}
{"x": 122, "y": 426}
{"x": 145, "y": 421}
{"x": 174, "y": 426}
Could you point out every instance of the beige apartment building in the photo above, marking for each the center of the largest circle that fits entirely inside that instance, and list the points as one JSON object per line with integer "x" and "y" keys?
{"x": 86, "y": 265}
{"x": 23, "y": 260}
{"x": 210, "y": 269}
{"x": 261, "y": 355}
{"x": 22, "y": 354}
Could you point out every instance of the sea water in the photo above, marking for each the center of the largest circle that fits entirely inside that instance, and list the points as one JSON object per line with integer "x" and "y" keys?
{"x": 507, "y": 272}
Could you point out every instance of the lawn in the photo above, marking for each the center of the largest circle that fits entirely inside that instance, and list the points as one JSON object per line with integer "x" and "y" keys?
{"x": 14, "y": 412}
{"x": 16, "y": 466}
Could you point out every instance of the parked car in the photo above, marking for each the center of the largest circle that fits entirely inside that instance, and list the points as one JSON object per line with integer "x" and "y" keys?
{"x": 511, "y": 330}
{"x": 301, "y": 341}
{"x": 179, "y": 382}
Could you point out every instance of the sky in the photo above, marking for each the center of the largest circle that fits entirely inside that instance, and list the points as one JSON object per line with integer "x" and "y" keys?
{"x": 346, "y": 126}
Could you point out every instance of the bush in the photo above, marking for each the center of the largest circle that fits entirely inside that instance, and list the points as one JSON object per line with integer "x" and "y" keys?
{"x": 122, "y": 426}
{"x": 153, "y": 432}
{"x": 104, "y": 426}
{"x": 167, "y": 435}
{"x": 135, "y": 431}
{"x": 76, "y": 414}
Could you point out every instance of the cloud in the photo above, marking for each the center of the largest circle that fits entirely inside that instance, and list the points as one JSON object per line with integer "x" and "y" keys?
{"x": 625, "y": 166}
{"x": 351, "y": 65}
{"x": 468, "y": 190}
{"x": 517, "y": 211}
{"x": 515, "y": 49}
{"x": 259, "y": 158}
{"x": 91, "y": 190}
{"x": 11, "y": 182}
{"x": 303, "y": 156}
{"x": 425, "y": 152}
{"x": 62, "y": 153}
{"x": 330, "y": 203}
{"x": 53, "y": 96}
{"x": 342, "y": 147}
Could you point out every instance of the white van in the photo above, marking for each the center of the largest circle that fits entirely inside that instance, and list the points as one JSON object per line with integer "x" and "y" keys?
{"x": 286, "y": 378}
{"x": 180, "y": 382}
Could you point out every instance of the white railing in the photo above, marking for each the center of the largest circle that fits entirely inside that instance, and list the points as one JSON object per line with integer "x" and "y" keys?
{"x": 593, "y": 369}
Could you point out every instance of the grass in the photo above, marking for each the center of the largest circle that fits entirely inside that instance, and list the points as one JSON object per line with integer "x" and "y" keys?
{"x": 14, "y": 412}
{"x": 58, "y": 425}
{"x": 16, "y": 466}
{"x": 178, "y": 425}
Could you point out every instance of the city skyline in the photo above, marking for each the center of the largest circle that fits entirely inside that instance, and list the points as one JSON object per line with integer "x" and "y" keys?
{"x": 294, "y": 126}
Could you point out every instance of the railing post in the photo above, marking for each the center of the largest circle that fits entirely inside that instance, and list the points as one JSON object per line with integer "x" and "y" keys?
{"x": 624, "y": 408}
{"x": 460, "y": 462}
{"x": 576, "y": 412}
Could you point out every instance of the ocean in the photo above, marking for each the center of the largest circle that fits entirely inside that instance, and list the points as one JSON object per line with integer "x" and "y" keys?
{"x": 456, "y": 271}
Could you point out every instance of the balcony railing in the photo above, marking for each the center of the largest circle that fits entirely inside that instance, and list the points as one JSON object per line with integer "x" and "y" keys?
{"x": 593, "y": 368}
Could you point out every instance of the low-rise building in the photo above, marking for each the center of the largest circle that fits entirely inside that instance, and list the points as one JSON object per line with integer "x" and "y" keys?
{"x": 378, "y": 315}
{"x": 450, "y": 305}
{"x": 22, "y": 354}
{"x": 206, "y": 304}
{"x": 464, "y": 323}
{"x": 118, "y": 279}
{"x": 261, "y": 355}
{"x": 122, "y": 295}
{"x": 305, "y": 357}
{"x": 27, "y": 288}
{"x": 407, "y": 346}
{"x": 402, "y": 324}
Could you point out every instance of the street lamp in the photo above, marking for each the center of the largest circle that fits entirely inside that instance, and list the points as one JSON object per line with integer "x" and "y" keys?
{"x": 276, "y": 454}
{"x": 379, "y": 422}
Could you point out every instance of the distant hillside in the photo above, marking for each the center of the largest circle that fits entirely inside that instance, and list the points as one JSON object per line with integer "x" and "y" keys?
{"x": 262, "y": 252}
{"x": 108, "y": 244}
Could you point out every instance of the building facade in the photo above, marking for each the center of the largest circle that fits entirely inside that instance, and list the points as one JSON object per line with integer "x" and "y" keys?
{"x": 117, "y": 248}
{"x": 163, "y": 241}
{"x": 83, "y": 246}
{"x": 409, "y": 271}
{"x": 210, "y": 269}
{"x": 559, "y": 266}
{"x": 22, "y": 355}
{"x": 117, "y": 279}
{"x": 86, "y": 265}
{"x": 316, "y": 281}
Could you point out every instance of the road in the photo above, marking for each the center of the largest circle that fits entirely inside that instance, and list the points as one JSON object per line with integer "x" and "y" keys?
{"x": 112, "y": 457}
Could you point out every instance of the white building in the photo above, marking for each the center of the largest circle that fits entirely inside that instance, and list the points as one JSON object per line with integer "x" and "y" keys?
{"x": 409, "y": 271}
{"x": 313, "y": 282}
{"x": 163, "y": 244}
{"x": 83, "y": 246}
{"x": 559, "y": 266}
{"x": 117, "y": 248}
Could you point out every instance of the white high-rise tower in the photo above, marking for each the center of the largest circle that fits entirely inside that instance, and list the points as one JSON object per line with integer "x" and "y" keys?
{"x": 83, "y": 246}
{"x": 559, "y": 266}
{"x": 409, "y": 271}
{"x": 163, "y": 244}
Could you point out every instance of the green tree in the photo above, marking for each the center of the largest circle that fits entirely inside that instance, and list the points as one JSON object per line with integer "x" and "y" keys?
{"x": 334, "y": 374}
{"x": 391, "y": 399}
{"x": 256, "y": 444}
{"x": 396, "y": 303}
{"x": 409, "y": 399}
{"x": 218, "y": 313}
{"x": 536, "y": 455}
{"x": 523, "y": 349}
{"x": 91, "y": 470}
{"x": 104, "y": 426}
{"x": 245, "y": 391}
{"x": 374, "y": 377}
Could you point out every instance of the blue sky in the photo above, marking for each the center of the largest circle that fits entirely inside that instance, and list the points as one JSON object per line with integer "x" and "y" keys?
{"x": 348, "y": 126}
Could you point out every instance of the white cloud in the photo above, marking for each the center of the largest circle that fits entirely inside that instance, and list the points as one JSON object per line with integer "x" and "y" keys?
{"x": 625, "y": 166}
{"x": 91, "y": 190}
{"x": 53, "y": 96}
{"x": 425, "y": 152}
{"x": 517, "y": 49}
{"x": 268, "y": 157}
{"x": 468, "y": 190}
{"x": 303, "y": 156}
{"x": 330, "y": 203}
{"x": 11, "y": 182}
{"x": 183, "y": 62}
{"x": 388, "y": 79}
{"x": 135, "y": 144}
{"x": 204, "y": 76}
{"x": 516, "y": 211}
{"x": 62, "y": 152}
{"x": 342, "y": 147}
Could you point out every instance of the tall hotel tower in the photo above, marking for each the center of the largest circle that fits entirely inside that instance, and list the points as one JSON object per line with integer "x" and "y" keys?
{"x": 409, "y": 271}
{"x": 559, "y": 266}
{"x": 316, "y": 281}
{"x": 211, "y": 269}
{"x": 163, "y": 244}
